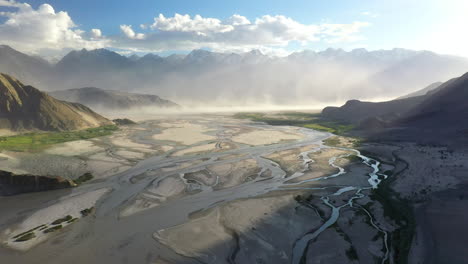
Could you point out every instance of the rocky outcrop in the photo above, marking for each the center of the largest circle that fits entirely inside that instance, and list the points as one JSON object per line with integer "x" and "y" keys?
{"x": 12, "y": 184}
{"x": 124, "y": 122}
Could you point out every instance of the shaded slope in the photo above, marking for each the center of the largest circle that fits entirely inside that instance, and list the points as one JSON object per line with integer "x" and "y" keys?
{"x": 447, "y": 106}
{"x": 355, "y": 111}
{"x": 440, "y": 116}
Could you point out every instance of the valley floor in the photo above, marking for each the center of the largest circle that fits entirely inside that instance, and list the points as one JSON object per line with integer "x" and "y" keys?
{"x": 213, "y": 189}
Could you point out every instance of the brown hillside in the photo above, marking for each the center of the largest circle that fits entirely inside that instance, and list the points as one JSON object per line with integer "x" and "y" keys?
{"x": 23, "y": 107}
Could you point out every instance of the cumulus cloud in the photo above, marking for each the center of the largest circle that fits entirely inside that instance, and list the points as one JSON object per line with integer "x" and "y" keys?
{"x": 235, "y": 33}
{"x": 96, "y": 33}
{"x": 11, "y": 3}
{"x": 184, "y": 23}
{"x": 238, "y": 20}
{"x": 44, "y": 30}
{"x": 128, "y": 31}
{"x": 33, "y": 30}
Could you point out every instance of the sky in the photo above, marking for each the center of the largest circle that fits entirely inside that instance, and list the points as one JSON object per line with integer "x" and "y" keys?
{"x": 53, "y": 28}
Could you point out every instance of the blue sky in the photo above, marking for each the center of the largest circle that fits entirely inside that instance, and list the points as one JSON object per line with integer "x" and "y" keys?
{"x": 278, "y": 27}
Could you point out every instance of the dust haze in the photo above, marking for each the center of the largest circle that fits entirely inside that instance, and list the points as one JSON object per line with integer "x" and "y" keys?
{"x": 203, "y": 78}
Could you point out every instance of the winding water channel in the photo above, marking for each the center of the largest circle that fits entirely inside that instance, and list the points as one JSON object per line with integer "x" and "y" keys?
{"x": 374, "y": 179}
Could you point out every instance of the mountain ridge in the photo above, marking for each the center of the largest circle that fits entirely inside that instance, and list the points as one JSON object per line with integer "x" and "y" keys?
{"x": 428, "y": 89}
{"x": 112, "y": 99}
{"x": 23, "y": 107}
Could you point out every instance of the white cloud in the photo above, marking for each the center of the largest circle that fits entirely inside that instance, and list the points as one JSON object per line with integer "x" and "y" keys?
{"x": 34, "y": 30}
{"x": 96, "y": 33}
{"x": 235, "y": 33}
{"x": 184, "y": 23}
{"x": 238, "y": 20}
{"x": 43, "y": 30}
{"x": 128, "y": 31}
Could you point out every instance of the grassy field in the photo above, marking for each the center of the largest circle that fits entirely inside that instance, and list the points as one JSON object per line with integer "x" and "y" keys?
{"x": 307, "y": 120}
{"x": 40, "y": 141}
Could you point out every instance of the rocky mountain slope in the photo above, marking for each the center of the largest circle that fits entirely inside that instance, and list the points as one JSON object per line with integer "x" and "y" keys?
{"x": 23, "y": 107}
{"x": 109, "y": 99}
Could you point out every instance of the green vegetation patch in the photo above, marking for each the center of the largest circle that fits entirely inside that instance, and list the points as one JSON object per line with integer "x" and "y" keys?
{"x": 26, "y": 237}
{"x": 63, "y": 219}
{"x": 353, "y": 158}
{"x": 87, "y": 211}
{"x": 29, "y": 231}
{"x": 124, "y": 122}
{"x": 52, "y": 229}
{"x": 332, "y": 141}
{"x": 319, "y": 127}
{"x": 83, "y": 178}
{"x": 40, "y": 141}
{"x": 72, "y": 220}
{"x": 307, "y": 120}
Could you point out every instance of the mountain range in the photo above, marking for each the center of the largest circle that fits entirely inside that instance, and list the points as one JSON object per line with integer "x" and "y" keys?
{"x": 23, "y": 107}
{"x": 307, "y": 77}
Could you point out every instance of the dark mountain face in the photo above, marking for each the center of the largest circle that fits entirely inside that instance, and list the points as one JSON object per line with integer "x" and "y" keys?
{"x": 447, "y": 105}
{"x": 438, "y": 116}
{"x": 99, "y": 98}
{"x": 24, "y": 107}
{"x": 355, "y": 111}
